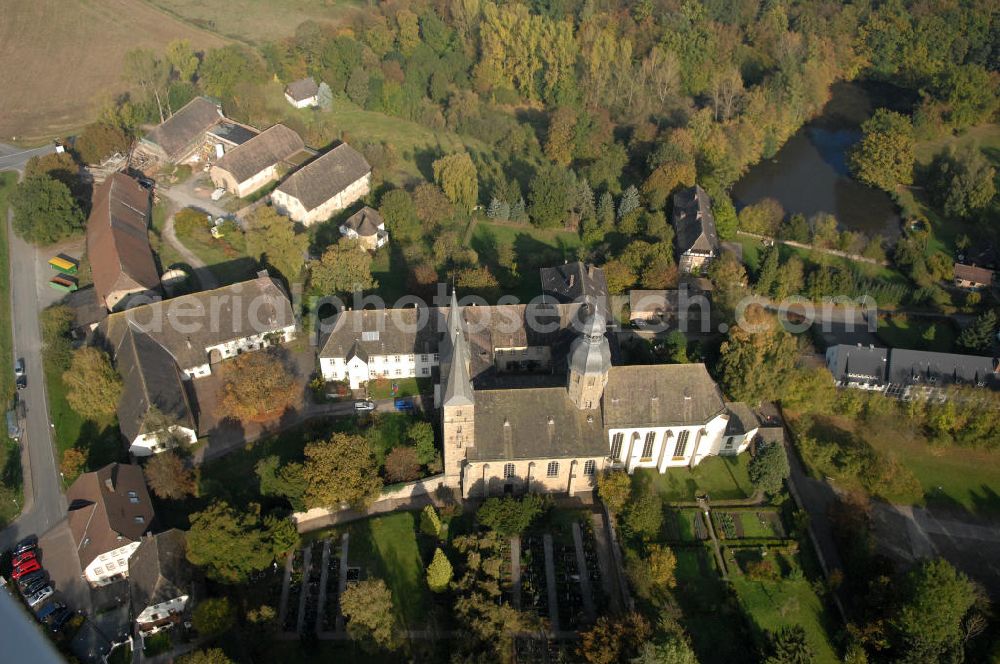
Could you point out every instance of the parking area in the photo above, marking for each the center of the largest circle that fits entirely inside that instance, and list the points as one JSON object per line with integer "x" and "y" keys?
{"x": 60, "y": 560}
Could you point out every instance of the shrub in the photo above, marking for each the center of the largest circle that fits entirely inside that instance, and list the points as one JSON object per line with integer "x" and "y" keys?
{"x": 402, "y": 465}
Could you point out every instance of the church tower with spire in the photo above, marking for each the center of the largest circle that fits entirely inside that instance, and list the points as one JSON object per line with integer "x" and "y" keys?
{"x": 457, "y": 398}
{"x": 589, "y": 362}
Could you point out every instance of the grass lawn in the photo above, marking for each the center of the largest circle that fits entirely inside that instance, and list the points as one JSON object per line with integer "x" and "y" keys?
{"x": 226, "y": 257}
{"x": 715, "y": 627}
{"x": 950, "y": 477}
{"x": 753, "y": 254}
{"x": 770, "y": 605}
{"x": 752, "y": 526}
{"x": 534, "y": 248}
{"x": 386, "y": 548}
{"x": 680, "y": 524}
{"x": 987, "y": 136}
{"x": 389, "y": 269}
{"x": 99, "y": 435}
{"x": 965, "y": 479}
{"x": 722, "y": 478}
{"x": 902, "y": 332}
{"x": 8, "y": 181}
{"x": 405, "y": 387}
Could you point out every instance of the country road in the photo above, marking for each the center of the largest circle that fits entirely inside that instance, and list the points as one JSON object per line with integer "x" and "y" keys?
{"x": 14, "y": 158}
{"x": 45, "y": 504}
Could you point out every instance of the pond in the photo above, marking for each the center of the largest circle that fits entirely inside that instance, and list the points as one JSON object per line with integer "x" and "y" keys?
{"x": 809, "y": 174}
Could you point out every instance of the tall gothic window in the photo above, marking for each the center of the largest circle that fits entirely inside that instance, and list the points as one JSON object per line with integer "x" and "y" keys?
{"x": 647, "y": 446}
{"x": 616, "y": 446}
{"x": 682, "y": 443}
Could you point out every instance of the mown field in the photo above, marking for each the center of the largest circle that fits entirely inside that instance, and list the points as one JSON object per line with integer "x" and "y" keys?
{"x": 61, "y": 56}
{"x": 257, "y": 20}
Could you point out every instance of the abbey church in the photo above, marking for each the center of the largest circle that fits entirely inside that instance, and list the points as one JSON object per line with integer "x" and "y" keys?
{"x": 531, "y": 398}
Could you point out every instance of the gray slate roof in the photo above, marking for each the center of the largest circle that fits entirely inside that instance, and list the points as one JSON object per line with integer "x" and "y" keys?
{"x": 365, "y": 222}
{"x": 269, "y": 148}
{"x": 694, "y": 224}
{"x": 534, "y": 423}
{"x": 742, "y": 419}
{"x": 660, "y": 395}
{"x": 248, "y": 308}
{"x": 573, "y": 282}
{"x": 178, "y": 133}
{"x": 326, "y": 176}
{"x": 159, "y": 571}
{"x": 150, "y": 379}
{"x": 919, "y": 367}
{"x": 590, "y": 353}
{"x": 234, "y": 133}
{"x": 859, "y": 363}
{"x": 302, "y": 89}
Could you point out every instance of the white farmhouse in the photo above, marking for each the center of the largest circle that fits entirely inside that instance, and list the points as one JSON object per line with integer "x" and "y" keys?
{"x": 367, "y": 227}
{"x": 109, "y": 512}
{"x": 302, "y": 93}
{"x": 325, "y": 185}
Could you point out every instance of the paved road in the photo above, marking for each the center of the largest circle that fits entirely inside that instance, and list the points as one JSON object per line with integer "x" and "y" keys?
{"x": 192, "y": 194}
{"x": 14, "y": 158}
{"x": 204, "y": 275}
{"x": 45, "y": 504}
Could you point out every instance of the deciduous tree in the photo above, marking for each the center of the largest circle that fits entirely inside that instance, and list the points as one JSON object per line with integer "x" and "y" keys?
{"x": 100, "y": 140}
{"x": 342, "y": 269}
{"x": 208, "y": 656}
{"x": 613, "y": 640}
{"x": 614, "y": 487}
{"x": 73, "y": 461}
{"x": 213, "y": 616}
{"x": 961, "y": 183}
{"x": 754, "y": 363}
{"x": 274, "y": 241}
{"x": 45, "y": 210}
{"x": 884, "y": 157}
{"x": 229, "y": 545}
{"x": 927, "y": 624}
{"x": 182, "y": 59}
{"x": 368, "y": 607}
{"x": 511, "y": 516}
{"x": 282, "y": 480}
{"x": 402, "y": 464}
{"x": 258, "y": 385}
{"x": 168, "y": 477}
{"x": 456, "y": 175}
{"x": 341, "y": 470}
{"x": 93, "y": 385}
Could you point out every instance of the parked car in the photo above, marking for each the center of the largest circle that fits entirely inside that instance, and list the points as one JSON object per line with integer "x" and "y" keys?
{"x": 21, "y": 382}
{"x": 28, "y": 543}
{"x": 404, "y": 404}
{"x": 39, "y": 596}
{"x": 60, "y": 618}
{"x": 48, "y": 610}
{"x": 26, "y": 568}
{"x": 19, "y": 367}
{"x": 30, "y": 579}
{"x": 22, "y": 558}
{"x": 364, "y": 406}
{"x": 218, "y": 193}
{"x": 34, "y": 586}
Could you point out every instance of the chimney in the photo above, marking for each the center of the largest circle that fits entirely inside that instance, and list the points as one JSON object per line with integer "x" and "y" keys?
{"x": 263, "y": 274}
